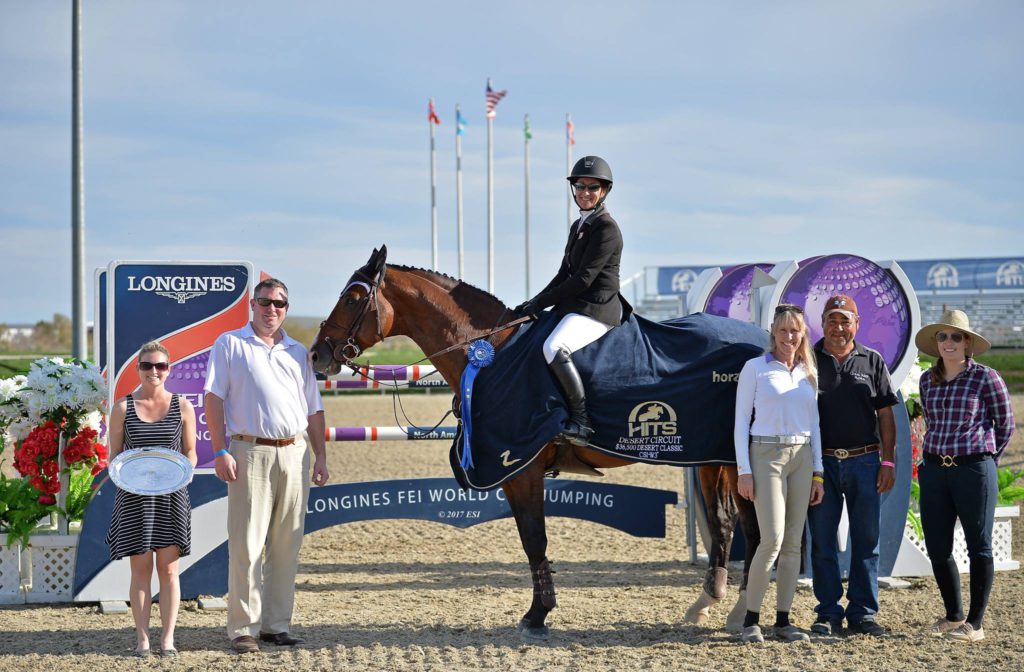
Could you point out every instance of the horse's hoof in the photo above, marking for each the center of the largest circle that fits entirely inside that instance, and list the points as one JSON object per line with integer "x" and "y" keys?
{"x": 700, "y": 610}
{"x": 696, "y": 615}
{"x": 530, "y": 634}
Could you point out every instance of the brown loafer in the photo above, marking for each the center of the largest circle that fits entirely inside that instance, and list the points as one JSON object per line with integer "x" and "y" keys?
{"x": 245, "y": 644}
{"x": 280, "y": 638}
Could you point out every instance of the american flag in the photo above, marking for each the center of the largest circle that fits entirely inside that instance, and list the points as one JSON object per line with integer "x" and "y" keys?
{"x": 432, "y": 113}
{"x": 492, "y": 98}
{"x": 569, "y": 128}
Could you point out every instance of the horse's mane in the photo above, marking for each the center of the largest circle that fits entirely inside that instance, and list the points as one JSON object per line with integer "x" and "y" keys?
{"x": 448, "y": 283}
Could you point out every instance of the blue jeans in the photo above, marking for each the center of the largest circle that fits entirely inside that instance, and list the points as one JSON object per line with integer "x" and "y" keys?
{"x": 854, "y": 479}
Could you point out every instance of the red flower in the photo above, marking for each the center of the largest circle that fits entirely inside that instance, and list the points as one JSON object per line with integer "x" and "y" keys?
{"x": 51, "y": 468}
{"x": 47, "y": 499}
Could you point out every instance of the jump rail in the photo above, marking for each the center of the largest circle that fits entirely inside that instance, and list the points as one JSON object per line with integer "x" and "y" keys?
{"x": 384, "y": 376}
{"x": 398, "y": 433}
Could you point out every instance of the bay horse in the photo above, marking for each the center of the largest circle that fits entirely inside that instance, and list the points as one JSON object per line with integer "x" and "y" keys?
{"x": 443, "y": 315}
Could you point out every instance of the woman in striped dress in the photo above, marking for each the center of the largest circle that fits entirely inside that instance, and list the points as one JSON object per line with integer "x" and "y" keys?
{"x": 145, "y": 527}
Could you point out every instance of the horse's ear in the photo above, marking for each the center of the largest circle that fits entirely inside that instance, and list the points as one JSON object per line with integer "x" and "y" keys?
{"x": 380, "y": 263}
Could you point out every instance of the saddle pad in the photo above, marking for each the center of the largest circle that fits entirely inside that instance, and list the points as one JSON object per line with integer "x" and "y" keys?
{"x": 657, "y": 392}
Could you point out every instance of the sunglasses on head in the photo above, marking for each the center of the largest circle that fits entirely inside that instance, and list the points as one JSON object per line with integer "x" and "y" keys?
{"x": 159, "y": 366}
{"x": 592, "y": 188}
{"x": 788, "y": 307}
{"x": 277, "y": 303}
{"x": 956, "y": 337}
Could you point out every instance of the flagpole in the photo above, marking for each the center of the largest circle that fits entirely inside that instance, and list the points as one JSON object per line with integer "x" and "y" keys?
{"x": 568, "y": 169}
{"x": 491, "y": 99}
{"x": 458, "y": 182}
{"x": 433, "y": 191}
{"x": 490, "y": 205}
{"x": 79, "y": 333}
{"x": 526, "y": 182}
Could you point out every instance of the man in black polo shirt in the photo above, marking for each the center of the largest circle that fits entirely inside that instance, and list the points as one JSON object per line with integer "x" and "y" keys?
{"x": 858, "y": 440}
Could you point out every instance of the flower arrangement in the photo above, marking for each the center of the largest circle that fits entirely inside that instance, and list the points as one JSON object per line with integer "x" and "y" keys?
{"x": 58, "y": 398}
{"x": 36, "y": 458}
{"x": 911, "y": 392}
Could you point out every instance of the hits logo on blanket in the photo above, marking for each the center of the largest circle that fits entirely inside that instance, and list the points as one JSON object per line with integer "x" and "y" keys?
{"x": 652, "y": 418}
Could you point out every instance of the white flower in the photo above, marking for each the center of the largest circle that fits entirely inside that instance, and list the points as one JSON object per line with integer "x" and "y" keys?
{"x": 53, "y": 387}
{"x": 911, "y": 387}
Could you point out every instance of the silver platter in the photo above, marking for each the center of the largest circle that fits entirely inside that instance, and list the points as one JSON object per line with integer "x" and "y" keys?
{"x": 150, "y": 470}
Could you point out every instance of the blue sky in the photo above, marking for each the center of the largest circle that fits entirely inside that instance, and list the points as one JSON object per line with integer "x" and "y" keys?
{"x": 294, "y": 135}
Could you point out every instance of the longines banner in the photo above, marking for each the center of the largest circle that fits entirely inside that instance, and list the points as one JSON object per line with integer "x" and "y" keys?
{"x": 185, "y": 305}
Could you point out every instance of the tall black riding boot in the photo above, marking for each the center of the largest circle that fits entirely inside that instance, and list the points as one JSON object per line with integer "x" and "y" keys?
{"x": 578, "y": 430}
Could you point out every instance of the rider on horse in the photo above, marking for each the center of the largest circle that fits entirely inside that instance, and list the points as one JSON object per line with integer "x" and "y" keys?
{"x": 585, "y": 291}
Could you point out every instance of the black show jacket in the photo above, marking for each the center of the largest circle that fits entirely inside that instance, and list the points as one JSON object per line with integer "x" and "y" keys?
{"x": 587, "y": 281}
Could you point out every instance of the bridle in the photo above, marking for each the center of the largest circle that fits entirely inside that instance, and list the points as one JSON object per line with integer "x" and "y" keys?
{"x": 345, "y": 352}
{"x": 348, "y": 350}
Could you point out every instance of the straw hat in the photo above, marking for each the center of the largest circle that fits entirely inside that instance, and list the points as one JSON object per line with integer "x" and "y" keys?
{"x": 957, "y": 319}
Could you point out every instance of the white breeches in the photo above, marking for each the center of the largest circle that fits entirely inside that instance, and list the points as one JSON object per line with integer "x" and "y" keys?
{"x": 572, "y": 333}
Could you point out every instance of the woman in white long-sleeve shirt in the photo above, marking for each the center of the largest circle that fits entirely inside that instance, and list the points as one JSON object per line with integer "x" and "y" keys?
{"x": 778, "y": 458}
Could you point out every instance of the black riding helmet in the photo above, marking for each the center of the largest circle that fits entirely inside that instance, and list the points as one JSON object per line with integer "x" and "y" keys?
{"x": 595, "y": 167}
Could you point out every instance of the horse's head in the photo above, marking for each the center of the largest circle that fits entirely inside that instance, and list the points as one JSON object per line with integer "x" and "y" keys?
{"x": 361, "y": 317}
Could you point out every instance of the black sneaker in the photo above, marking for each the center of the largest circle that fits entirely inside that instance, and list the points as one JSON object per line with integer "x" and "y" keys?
{"x": 826, "y": 625}
{"x": 868, "y": 626}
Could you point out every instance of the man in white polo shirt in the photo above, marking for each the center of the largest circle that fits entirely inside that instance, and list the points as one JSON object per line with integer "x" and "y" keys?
{"x": 261, "y": 387}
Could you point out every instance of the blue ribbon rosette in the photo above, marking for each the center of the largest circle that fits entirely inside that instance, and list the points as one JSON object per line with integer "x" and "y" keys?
{"x": 481, "y": 353}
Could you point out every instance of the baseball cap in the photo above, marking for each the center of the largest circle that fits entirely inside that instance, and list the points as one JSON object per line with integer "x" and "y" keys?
{"x": 840, "y": 303}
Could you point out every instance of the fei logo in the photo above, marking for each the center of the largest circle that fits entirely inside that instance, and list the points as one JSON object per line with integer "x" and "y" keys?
{"x": 652, "y": 418}
{"x": 181, "y": 288}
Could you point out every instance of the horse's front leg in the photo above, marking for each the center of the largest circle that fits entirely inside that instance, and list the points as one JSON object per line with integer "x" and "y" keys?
{"x": 721, "y": 519}
{"x": 525, "y": 494}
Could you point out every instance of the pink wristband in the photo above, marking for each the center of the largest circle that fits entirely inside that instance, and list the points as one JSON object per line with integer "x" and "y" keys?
{"x": 887, "y": 463}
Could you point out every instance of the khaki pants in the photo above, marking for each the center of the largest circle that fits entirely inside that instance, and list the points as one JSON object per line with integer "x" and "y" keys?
{"x": 266, "y": 515}
{"x": 782, "y": 491}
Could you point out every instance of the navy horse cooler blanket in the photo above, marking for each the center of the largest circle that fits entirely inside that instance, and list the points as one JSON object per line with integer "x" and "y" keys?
{"x": 657, "y": 392}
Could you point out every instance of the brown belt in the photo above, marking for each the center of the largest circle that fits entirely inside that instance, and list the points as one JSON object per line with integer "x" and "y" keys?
{"x": 843, "y": 453}
{"x": 279, "y": 443}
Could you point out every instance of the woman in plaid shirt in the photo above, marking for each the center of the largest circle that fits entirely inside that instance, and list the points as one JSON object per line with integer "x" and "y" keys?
{"x": 970, "y": 420}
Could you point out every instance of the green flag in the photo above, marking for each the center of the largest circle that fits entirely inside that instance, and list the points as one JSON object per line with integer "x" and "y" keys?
{"x": 526, "y": 127}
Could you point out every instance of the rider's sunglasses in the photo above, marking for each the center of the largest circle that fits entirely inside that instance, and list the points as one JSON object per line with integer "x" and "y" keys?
{"x": 277, "y": 303}
{"x": 592, "y": 188}
{"x": 788, "y": 307}
{"x": 956, "y": 337}
{"x": 159, "y": 366}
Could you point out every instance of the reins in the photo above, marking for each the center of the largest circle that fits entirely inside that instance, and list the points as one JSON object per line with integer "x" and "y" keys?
{"x": 487, "y": 334}
{"x": 396, "y": 400}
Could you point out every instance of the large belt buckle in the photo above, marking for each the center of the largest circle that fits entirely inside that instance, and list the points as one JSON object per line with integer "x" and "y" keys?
{"x": 948, "y": 461}
{"x": 840, "y": 453}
